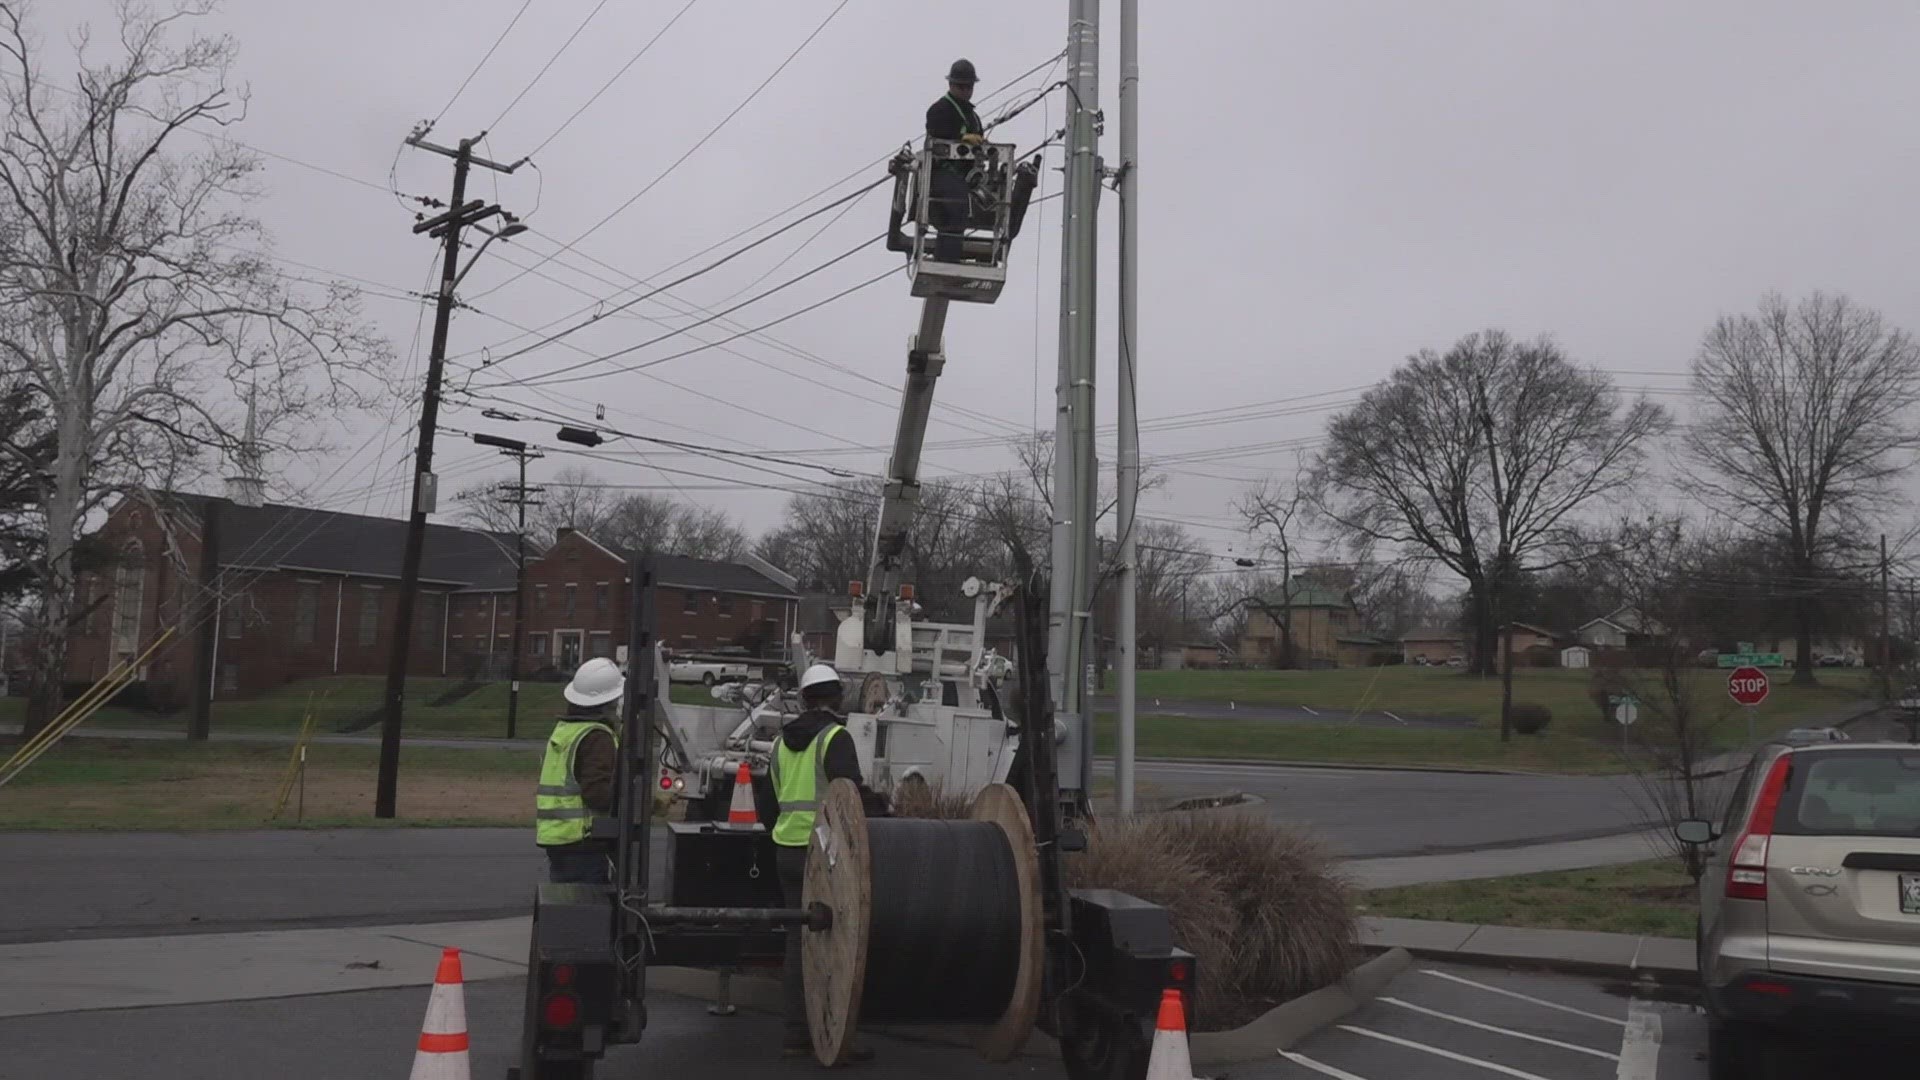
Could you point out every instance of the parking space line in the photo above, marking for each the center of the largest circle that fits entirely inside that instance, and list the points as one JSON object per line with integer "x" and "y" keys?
{"x": 1640, "y": 1047}
{"x": 1324, "y": 1070}
{"x": 1502, "y": 1031}
{"x": 1438, "y": 1052}
{"x": 1523, "y": 997}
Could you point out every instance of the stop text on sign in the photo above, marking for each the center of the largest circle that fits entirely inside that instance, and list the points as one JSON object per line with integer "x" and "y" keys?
{"x": 1748, "y": 685}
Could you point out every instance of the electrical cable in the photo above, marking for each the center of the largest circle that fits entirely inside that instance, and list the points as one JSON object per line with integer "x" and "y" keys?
{"x": 683, "y": 279}
{"x": 548, "y": 66}
{"x": 695, "y": 148}
{"x": 780, "y": 345}
{"x": 605, "y": 86}
{"x": 815, "y": 306}
{"x": 491, "y": 49}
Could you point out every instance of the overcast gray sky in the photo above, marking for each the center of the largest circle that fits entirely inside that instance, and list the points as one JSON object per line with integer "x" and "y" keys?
{"x": 1326, "y": 187}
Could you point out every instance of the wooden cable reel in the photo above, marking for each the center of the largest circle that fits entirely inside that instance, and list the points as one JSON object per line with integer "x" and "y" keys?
{"x": 969, "y": 906}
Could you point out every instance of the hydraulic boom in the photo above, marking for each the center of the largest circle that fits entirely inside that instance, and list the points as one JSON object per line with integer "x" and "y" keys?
{"x": 997, "y": 190}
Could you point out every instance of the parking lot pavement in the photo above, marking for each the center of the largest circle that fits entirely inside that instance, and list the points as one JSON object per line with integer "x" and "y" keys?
{"x": 372, "y": 1034}
{"x": 1447, "y": 1022}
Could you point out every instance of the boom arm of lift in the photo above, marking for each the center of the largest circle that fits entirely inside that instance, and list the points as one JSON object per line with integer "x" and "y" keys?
{"x": 900, "y": 498}
{"x": 1006, "y": 209}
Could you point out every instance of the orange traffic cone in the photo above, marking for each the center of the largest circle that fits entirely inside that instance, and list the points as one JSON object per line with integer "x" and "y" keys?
{"x": 1169, "y": 1059}
{"x": 443, "y": 1037}
{"x": 740, "y": 812}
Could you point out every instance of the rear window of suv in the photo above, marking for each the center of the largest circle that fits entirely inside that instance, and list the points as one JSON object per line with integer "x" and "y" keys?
{"x": 1852, "y": 793}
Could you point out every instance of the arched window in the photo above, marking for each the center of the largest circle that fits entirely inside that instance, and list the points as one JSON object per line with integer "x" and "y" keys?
{"x": 129, "y": 593}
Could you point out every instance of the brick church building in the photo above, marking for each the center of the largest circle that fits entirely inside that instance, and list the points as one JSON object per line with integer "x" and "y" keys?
{"x": 305, "y": 593}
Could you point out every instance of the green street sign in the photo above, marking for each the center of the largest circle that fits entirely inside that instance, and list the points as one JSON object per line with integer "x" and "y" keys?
{"x": 1751, "y": 659}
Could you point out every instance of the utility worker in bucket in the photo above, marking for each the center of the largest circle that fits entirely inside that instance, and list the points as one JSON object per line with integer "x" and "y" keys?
{"x": 576, "y": 779}
{"x": 950, "y": 201}
{"x": 814, "y": 750}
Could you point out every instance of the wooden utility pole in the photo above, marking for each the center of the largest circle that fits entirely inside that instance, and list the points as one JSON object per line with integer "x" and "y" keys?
{"x": 517, "y": 495}
{"x": 445, "y": 227}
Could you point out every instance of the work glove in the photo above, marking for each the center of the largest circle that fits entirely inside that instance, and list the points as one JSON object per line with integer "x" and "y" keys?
{"x": 973, "y": 138}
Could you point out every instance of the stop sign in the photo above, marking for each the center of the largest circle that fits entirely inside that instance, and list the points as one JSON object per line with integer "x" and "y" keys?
{"x": 1748, "y": 685}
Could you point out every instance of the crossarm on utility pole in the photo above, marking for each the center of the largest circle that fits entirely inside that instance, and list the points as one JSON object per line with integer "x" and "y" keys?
{"x": 900, "y": 499}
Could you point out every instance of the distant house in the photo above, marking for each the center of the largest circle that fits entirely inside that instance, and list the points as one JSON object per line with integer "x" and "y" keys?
{"x": 1622, "y": 628}
{"x": 1317, "y": 618}
{"x": 1364, "y": 650}
{"x": 1433, "y": 645}
{"x": 1526, "y": 638}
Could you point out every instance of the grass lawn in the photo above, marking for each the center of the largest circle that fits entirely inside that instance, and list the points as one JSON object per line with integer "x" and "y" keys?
{"x": 1417, "y": 691}
{"x": 347, "y": 701}
{"x": 109, "y": 784}
{"x": 1361, "y": 744}
{"x": 1654, "y": 898}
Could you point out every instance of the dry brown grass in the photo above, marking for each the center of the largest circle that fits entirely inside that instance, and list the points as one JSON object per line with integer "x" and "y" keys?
{"x": 918, "y": 799}
{"x": 1257, "y": 903}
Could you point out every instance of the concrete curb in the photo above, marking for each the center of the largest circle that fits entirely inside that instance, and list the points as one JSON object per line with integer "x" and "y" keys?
{"x": 1285, "y": 1025}
{"x": 1280, "y": 1028}
{"x": 1656, "y": 960}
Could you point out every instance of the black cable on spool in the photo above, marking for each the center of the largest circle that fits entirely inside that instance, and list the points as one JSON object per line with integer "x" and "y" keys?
{"x": 945, "y": 936}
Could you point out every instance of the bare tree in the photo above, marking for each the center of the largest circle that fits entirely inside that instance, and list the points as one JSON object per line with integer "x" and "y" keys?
{"x": 28, "y": 437}
{"x": 1657, "y": 568}
{"x": 134, "y": 298}
{"x": 657, "y": 524}
{"x": 1274, "y": 514}
{"x": 1169, "y": 562}
{"x": 572, "y": 499}
{"x": 1478, "y": 459}
{"x": 1803, "y": 420}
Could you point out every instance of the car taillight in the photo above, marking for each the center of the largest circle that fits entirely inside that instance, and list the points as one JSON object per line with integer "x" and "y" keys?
{"x": 560, "y": 1010}
{"x": 1747, "y": 870}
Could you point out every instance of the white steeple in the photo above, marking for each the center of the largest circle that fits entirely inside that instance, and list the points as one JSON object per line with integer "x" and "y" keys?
{"x": 248, "y": 487}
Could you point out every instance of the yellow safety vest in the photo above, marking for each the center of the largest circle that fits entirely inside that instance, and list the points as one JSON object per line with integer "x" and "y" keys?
{"x": 799, "y": 777}
{"x": 561, "y": 815}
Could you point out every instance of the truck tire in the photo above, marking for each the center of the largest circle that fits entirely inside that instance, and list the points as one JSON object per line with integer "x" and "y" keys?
{"x": 1109, "y": 1047}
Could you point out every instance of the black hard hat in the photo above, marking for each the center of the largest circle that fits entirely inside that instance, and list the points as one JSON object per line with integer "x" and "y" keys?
{"x": 962, "y": 72}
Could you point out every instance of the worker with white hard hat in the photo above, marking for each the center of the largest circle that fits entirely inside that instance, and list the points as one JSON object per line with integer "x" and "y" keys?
{"x": 577, "y": 777}
{"x": 814, "y": 750}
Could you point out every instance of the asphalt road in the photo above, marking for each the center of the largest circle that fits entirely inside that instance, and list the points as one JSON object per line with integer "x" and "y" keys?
{"x": 372, "y": 1034}
{"x": 108, "y": 884}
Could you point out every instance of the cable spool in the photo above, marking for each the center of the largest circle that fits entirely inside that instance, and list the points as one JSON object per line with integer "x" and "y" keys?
{"x": 932, "y": 921}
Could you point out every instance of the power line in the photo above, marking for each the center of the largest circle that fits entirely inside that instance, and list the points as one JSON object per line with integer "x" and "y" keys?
{"x": 683, "y": 279}
{"x": 548, "y": 66}
{"x": 778, "y": 344}
{"x": 695, "y": 148}
{"x": 511, "y": 23}
{"x": 605, "y": 86}
{"x": 815, "y": 306}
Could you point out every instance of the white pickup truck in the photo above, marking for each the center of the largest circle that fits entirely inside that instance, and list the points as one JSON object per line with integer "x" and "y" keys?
{"x": 706, "y": 671}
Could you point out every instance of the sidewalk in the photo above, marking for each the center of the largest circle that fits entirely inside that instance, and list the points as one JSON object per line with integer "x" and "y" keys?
{"x": 1630, "y": 956}
{"x": 119, "y": 973}
{"x": 1502, "y": 862}
{"x": 128, "y": 972}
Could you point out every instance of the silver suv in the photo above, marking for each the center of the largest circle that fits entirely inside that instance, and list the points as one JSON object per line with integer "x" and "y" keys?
{"x": 1810, "y": 904}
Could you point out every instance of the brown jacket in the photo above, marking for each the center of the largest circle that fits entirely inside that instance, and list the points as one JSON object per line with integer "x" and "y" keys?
{"x": 594, "y": 766}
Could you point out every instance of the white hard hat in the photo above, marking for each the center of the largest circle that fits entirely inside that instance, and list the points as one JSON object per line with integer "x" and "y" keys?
{"x": 597, "y": 682}
{"x": 817, "y": 675}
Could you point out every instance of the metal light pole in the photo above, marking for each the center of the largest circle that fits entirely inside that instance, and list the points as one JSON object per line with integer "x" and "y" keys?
{"x": 1074, "y": 483}
{"x": 1127, "y": 182}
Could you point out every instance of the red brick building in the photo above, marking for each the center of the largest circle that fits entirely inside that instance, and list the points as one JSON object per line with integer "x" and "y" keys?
{"x": 577, "y": 595}
{"x": 310, "y": 593}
